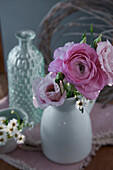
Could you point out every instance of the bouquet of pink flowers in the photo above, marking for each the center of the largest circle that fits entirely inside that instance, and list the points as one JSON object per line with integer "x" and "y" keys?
{"x": 78, "y": 70}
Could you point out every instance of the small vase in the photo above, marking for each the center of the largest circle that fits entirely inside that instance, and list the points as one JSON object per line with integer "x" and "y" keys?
{"x": 66, "y": 133}
{"x": 8, "y": 147}
{"x": 25, "y": 63}
{"x": 11, "y": 144}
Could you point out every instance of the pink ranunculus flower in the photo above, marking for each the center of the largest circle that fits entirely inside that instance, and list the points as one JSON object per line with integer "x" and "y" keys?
{"x": 46, "y": 92}
{"x": 81, "y": 67}
{"x": 105, "y": 52}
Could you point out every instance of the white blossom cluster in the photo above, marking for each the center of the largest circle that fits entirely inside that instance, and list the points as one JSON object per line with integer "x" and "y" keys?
{"x": 12, "y": 129}
{"x": 81, "y": 103}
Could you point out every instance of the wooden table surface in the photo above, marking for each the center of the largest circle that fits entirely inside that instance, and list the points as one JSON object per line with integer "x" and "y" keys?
{"x": 102, "y": 161}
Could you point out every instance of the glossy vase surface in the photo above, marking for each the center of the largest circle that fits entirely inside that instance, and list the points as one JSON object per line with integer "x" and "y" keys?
{"x": 66, "y": 133}
{"x": 25, "y": 62}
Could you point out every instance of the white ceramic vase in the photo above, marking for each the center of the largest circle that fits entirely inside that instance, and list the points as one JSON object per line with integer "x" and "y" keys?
{"x": 9, "y": 146}
{"x": 66, "y": 133}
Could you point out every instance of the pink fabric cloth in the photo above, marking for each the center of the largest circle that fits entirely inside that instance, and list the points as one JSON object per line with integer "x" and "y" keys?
{"x": 4, "y": 102}
{"x": 102, "y": 126}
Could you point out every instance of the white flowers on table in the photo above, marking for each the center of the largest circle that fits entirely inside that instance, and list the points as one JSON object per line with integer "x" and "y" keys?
{"x": 14, "y": 123}
{"x": 3, "y": 127}
{"x": 16, "y": 134}
{"x": 9, "y": 131}
{"x": 18, "y": 137}
{"x": 13, "y": 129}
{"x": 21, "y": 139}
{"x": 3, "y": 137}
{"x": 2, "y": 119}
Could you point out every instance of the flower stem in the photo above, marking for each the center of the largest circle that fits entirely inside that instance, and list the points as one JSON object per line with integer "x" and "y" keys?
{"x": 63, "y": 86}
{"x": 91, "y": 31}
{"x": 17, "y": 116}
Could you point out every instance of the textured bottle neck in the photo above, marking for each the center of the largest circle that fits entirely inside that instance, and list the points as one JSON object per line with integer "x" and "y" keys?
{"x": 23, "y": 44}
{"x": 25, "y": 38}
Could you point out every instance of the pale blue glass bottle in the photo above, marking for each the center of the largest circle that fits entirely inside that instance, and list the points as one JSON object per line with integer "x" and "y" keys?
{"x": 25, "y": 62}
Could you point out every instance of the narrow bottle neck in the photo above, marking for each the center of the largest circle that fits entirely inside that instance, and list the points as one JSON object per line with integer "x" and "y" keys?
{"x": 23, "y": 44}
{"x": 25, "y": 38}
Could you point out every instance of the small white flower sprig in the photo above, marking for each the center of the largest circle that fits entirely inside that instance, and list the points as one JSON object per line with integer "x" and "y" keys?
{"x": 81, "y": 103}
{"x": 13, "y": 129}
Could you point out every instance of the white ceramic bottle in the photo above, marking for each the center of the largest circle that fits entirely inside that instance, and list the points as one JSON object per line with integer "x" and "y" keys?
{"x": 66, "y": 133}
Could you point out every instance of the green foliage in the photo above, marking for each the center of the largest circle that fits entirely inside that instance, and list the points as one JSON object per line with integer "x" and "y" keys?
{"x": 82, "y": 110}
{"x": 97, "y": 40}
{"x": 91, "y": 30}
{"x": 70, "y": 94}
{"x": 59, "y": 76}
{"x": 84, "y": 35}
{"x": 83, "y": 40}
{"x": 6, "y": 121}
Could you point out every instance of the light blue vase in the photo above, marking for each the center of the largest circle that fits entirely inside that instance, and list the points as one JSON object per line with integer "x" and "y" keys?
{"x": 25, "y": 62}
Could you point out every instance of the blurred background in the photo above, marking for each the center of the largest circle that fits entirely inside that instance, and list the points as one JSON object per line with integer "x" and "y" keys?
{"x": 55, "y": 23}
{"x": 18, "y": 15}
{"x": 66, "y": 21}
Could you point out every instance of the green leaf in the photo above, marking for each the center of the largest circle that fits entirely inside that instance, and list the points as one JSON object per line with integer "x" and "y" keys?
{"x": 76, "y": 93}
{"x": 83, "y": 40}
{"x": 60, "y": 76}
{"x": 77, "y": 98}
{"x": 70, "y": 87}
{"x": 97, "y": 40}
{"x": 70, "y": 94}
{"x": 91, "y": 28}
{"x": 18, "y": 121}
{"x": 6, "y": 121}
{"x": 57, "y": 81}
{"x": 82, "y": 110}
{"x": 83, "y": 35}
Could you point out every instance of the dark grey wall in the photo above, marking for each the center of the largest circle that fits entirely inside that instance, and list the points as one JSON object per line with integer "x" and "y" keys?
{"x": 20, "y": 14}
